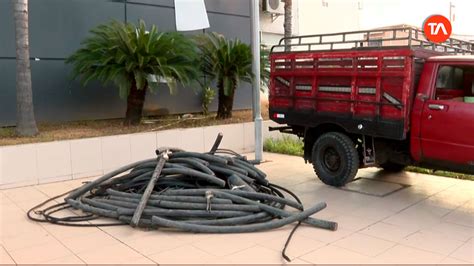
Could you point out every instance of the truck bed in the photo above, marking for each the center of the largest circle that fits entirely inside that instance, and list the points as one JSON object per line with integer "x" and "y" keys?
{"x": 368, "y": 91}
{"x": 361, "y": 81}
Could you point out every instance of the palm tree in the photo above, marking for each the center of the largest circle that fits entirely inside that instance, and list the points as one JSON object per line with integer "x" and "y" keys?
{"x": 135, "y": 59}
{"x": 288, "y": 23}
{"x": 25, "y": 116}
{"x": 228, "y": 62}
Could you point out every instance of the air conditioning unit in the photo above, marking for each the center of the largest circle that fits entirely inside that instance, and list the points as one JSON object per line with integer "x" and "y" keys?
{"x": 274, "y": 6}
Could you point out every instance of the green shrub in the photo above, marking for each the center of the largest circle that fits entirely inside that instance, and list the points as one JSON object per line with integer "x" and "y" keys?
{"x": 135, "y": 58}
{"x": 286, "y": 145}
{"x": 227, "y": 62}
{"x": 208, "y": 95}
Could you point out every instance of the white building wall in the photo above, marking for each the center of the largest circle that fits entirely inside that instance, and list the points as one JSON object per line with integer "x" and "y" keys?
{"x": 313, "y": 17}
{"x": 329, "y": 16}
{"x": 271, "y": 26}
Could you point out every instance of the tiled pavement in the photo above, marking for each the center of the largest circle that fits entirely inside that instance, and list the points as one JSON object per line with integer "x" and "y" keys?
{"x": 431, "y": 221}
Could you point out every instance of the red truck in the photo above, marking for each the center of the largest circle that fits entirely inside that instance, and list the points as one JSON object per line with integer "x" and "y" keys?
{"x": 386, "y": 98}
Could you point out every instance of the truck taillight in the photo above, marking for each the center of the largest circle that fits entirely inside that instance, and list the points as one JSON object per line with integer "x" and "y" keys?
{"x": 278, "y": 116}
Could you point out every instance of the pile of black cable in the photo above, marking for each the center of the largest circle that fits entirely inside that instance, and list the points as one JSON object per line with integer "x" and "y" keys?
{"x": 215, "y": 192}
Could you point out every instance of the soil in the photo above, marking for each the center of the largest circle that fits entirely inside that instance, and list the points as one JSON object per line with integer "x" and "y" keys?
{"x": 97, "y": 128}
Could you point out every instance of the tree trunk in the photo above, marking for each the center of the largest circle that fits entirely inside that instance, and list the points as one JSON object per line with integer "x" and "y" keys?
{"x": 135, "y": 102}
{"x": 226, "y": 102}
{"x": 288, "y": 23}
{"x": 25, "y": 117}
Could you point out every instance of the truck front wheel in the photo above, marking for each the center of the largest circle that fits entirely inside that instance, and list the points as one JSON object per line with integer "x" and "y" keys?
{"x": 335, "y": 159}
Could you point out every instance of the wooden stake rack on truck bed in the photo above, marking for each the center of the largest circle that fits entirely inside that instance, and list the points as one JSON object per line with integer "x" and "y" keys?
{"x": 369, "y": 39}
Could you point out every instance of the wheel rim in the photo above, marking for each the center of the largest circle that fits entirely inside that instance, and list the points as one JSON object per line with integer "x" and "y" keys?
{"x": 331, "y": 159}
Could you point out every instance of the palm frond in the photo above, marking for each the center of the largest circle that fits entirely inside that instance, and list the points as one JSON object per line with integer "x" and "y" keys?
{"x": 264, "y": 66}
{"x": 226, "y": 60}
{"x": 123, "y": 53}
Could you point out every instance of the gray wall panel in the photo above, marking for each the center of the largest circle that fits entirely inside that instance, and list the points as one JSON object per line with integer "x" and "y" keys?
{"x": 162, "y": 17}
{"x": 185, "y": 100}
{"x": 169, "y": 3}
{"x": 57, "y": 98}
{"x": 235, "y": 7}
{"x": 230, "y": 7}
{"x": 7, "y": 92}
{"x": 243, "y": 97}
{"x": 231, "y": 26}
{"x": 57, "y": 27}
{"x": 7, "y": 32}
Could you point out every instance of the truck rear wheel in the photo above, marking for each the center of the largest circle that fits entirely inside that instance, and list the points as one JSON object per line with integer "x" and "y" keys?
{"x": 335, "y": 159}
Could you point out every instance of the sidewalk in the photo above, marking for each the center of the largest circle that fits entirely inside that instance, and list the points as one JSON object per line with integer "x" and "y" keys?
{"x": 425, "y": 219}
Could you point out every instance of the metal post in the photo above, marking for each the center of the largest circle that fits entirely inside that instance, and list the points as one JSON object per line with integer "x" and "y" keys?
{"x": 254, "y": 7}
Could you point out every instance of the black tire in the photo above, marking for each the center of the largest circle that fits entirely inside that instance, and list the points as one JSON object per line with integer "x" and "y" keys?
{"x": 393, "y": 167}
{"x": 335, "y": 159}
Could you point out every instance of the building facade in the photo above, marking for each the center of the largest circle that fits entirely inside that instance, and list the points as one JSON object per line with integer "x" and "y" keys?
{"x": 312, "y": 17}
{"x": 57, "y": 28}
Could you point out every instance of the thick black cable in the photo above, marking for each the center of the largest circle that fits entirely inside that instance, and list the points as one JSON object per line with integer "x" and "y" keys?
{"x": 290, "y": 236}
{"x": 200, "y": 192}
{"x": 47, "y": 218}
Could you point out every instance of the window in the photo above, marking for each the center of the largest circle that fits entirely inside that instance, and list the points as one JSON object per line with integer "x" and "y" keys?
{"x": 450, "y": 77}
{"x": 455, "y": 83}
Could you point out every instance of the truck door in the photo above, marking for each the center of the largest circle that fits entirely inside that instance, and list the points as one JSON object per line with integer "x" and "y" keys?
{"x": 447, "y": 123}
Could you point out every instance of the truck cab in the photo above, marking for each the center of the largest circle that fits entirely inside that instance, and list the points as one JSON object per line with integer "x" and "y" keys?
{"x": 405, "y": 101}
{"x": 442, "y": 134}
